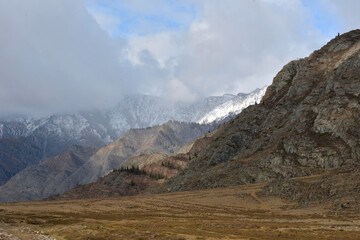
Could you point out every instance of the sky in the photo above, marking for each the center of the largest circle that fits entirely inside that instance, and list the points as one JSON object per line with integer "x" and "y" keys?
{"x": 63, "y": 56}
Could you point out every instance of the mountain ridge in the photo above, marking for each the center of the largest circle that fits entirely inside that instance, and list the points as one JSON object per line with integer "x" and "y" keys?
{"x": 306, "y": 124}
{"x": 84, "y": 165}
{"x": 55, "y": 134}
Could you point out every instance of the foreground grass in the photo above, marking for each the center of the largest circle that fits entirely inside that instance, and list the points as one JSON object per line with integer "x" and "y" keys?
{"x": 229, "y": 213}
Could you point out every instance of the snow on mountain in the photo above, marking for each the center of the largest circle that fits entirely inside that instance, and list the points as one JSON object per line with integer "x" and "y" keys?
{"x": 98, "y": 128}
{"x": 234, "y": 106}
{"x": 53, "y": 135}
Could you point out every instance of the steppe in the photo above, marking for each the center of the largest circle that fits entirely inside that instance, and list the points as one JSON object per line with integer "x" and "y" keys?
{"x": 239, "y": 212}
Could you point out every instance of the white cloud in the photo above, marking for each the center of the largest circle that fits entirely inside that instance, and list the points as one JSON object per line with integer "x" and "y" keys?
{"x": 346, "y": 11}
{"x": 56, "y": 57}
{"x": 106, "y": 20}
{"x": 234, "y": 46}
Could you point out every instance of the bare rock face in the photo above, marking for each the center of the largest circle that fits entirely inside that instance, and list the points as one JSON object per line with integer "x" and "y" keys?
{"x": 307, "y": 122}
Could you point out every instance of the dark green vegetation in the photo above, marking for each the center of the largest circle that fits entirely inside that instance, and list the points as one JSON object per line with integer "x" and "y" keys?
{"x": 133, "y": 169}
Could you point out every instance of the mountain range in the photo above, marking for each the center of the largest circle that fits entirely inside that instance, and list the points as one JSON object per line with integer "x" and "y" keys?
{"x": 83, "y": 165}
{"x": 33, "y": 141}
{"x": 302, "y": 138}
{"x": 306, "y": 124}
{"x": 100, "y": 127}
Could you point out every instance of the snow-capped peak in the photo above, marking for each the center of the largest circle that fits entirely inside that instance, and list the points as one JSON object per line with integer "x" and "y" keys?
{"x": 97, "y": 128}
{"x": 234, "y": 106}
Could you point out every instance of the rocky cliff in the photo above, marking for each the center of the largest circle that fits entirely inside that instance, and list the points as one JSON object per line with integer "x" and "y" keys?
{"x": 307, "y": 123}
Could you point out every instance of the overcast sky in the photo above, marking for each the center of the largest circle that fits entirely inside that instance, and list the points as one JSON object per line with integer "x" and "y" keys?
{"x": 60, "y": 56}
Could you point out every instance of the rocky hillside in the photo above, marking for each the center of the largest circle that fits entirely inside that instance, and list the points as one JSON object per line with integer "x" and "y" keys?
{"x": 44, "y": 179}
{"x": 307, "y": 123}
{"x": 338, "y": 189}
{"x": 82, "y": 165}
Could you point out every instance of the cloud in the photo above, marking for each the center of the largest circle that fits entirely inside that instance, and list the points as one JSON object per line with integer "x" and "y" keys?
{"x": 106, "y": 20}
{"x": 347, "y": 13}
{"x": 233, "y": 46}
{"x": 55, "y": 58}
{"x": 64, "y": 56}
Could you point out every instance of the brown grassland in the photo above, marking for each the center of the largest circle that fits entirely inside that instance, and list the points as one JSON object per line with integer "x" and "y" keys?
{"x": 225, "y": 213}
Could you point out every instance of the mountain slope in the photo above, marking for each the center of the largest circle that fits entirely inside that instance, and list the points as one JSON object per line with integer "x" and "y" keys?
{"x": 82, "y": 165}
{"x": 16, "y": 154}
{"x": 234, "y": 106}
{"x": 140, "y": 174}
{"x": 166, "y": 138}
{"x": 55, "y": 134}
{"x": 97, "y": 128}
{"x": 42, "y": 180}
{"x": 130, "y": 180}
{"x": 307, "y": 122}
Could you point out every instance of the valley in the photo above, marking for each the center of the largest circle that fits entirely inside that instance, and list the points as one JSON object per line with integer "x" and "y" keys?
{"x": 239, "y": 212}
{"x": 179, "y": 120}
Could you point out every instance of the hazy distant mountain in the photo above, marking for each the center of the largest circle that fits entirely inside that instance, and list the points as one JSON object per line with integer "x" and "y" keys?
{"x": 16, "y": 154}
{"x": 140, "y": 174}
{"x": 97, "y": 128}
{"x": 80, "y": 165}
{"x": 55, "y": 134}
{"x": 43, "y": 179}
{"x": 166, "y": 138}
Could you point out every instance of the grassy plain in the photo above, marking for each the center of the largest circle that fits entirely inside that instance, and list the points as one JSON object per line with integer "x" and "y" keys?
{"x": 227, "y": 213}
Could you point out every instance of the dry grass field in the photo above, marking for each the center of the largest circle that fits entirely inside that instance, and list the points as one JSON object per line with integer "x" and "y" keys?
{"x": 227, "y": 213}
